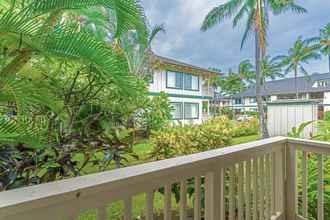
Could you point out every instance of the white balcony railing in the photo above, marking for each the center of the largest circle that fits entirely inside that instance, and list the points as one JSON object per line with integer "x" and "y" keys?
{"x": 256, "y": 180}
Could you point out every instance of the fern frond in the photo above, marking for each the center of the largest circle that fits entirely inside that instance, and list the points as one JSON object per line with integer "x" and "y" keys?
{"x": 129, "y": 13}
{"x": 82, "y": 46}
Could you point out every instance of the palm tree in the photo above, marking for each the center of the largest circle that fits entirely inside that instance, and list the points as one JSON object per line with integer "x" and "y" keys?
{"x": 301, "y": 53}
{"x": 257, "y": 13}
{"x": 325, "y": 42}
{"x": 37, "y": 29}
{"x": 271, "y": 68}
{"x": 246, "y": 72}
{"x": 139, "y": 56}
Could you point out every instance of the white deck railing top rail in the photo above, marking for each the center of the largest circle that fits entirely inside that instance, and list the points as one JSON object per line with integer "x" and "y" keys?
{"x": 256, "y": 180}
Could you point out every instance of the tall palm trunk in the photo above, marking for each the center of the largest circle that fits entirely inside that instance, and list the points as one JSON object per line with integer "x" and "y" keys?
{"x": 295, "y": 82}
{"x": 262, "y": 115}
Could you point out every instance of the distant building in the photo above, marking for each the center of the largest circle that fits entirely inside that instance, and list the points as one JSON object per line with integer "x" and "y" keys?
{"x": 316, "y": 88}
{"x": 188, "y": 87}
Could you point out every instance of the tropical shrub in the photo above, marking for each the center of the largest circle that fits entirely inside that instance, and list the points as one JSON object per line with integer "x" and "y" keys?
{"x": 176, "y": 141}
{"x": 156, "y": 115}
{"x": 245, "y": 128}
{"x": 327, "y": 116}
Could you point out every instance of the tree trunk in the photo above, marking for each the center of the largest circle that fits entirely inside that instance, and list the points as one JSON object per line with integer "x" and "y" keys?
{"x": 295, "y": 82}
{"x": 262, "y": 115}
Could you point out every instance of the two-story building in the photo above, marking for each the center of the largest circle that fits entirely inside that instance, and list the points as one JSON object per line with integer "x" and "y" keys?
{"x": 188, "y": 87}
{"x": 316, "y": 87}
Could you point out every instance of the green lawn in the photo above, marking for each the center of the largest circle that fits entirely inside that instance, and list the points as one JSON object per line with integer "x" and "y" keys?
{"x": 142, "y": 149}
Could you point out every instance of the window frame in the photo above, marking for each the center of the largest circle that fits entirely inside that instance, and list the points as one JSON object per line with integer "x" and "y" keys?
{"x": 182, "y": 80}
{"x": 184, "y": 110}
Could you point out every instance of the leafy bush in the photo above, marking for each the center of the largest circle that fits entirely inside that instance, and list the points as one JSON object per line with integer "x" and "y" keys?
{"x": 156, "y": 115}
{"x": 245, "y": 128}
{"x": 176, "y": 141}
{"x": 327, "y": 116}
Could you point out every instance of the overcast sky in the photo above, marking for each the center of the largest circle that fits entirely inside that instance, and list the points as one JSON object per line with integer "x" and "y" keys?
{"x": 220, "y": 47}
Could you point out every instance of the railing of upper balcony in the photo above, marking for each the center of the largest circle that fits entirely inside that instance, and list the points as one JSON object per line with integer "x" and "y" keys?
{"x": 255, "y": 181}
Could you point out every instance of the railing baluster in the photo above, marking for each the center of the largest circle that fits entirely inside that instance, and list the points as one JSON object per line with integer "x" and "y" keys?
{"x": 197, "y": 202}
{"x": 168, "y": 202}
{"x": 102, "y": 212}
{"x": 128, "y": 208}
{"x": 255, "y": 188}
{"x": 150, "y": 205}
{"x": 240, "y": 191}
{"x": 183, "y": 200}
{"x": 291, "y": 180}
{"x": 213, "y": 184}
{"x": 279, "y": 180}
{"x": 262, "y": 188}
{"x": 304, "y": 185}
{"x": 272, "y": 181}
{"x": 248, "y": 190}
{"x": 320, "y": 192}
{"x": 267, "y": 186}
{"x": 231, "y": 193}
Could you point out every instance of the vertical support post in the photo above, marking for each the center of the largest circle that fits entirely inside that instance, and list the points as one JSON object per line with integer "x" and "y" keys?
{"x": 168, "y": 202}
{"x": 150, "y": 205}
{"x": 305, "y": 185}
{"x": 279, "y": 179}
{"x": 290, "y": 183}
{"x": 183, "y": 200}
{"x": 197, "y": 202}
{"x": 320, "y": 188}
{"x": 213, "y": 184}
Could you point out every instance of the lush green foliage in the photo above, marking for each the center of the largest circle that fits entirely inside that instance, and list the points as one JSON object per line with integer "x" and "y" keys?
{"x": 69, "y": 97}
{"x": 297, "y": 132}
{"x": 175, "y": 141}
{"x": 156, "y": 115}
{"x": 327, "y": 116}
{"x": 245, "y": 128}
{"x": 215, "y": 133}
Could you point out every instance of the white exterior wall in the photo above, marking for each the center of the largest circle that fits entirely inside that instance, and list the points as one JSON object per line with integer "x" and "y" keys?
{"x": 326, "y": 101}
{"x": 283, "y": 117}
{"x": 159, "y": 85}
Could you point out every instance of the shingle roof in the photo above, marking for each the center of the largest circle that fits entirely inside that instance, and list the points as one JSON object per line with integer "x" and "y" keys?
{"x": 286, "y": 86}
{"x": 170, "y": 61}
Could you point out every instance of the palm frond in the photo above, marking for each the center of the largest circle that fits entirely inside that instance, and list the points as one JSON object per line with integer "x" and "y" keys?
{"x": 16, "y": 23}
{"x": 244, "y": 10}
{"x": 249, "y": 28}
{"x": 129, "y": 13}
{"x": 79, "y": 45}
{"x": 220, "y": 13}
{"x": 291, "y": 6}
{"x": 155, "y": 31}
{"x": 26, "y": 93}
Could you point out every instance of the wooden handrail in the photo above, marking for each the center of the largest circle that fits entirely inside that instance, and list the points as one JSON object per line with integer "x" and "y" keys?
{"x": 265, "y": 172}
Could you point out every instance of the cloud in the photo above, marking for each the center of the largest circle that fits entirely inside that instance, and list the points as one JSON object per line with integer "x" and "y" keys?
{"x": 220, "y": 47}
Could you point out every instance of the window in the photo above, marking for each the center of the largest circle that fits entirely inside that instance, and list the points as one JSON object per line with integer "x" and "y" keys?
{"x": 174, "y": 80}
{"x": 191, "y": 82}
{"x": 151, "y": 78}
{"x": 238, "y": 101}
{"x": 191, "y": 110}
{"x": 177, "y": 110}
{"x": 322, "y": 83}
{"x": 253, "y": 100}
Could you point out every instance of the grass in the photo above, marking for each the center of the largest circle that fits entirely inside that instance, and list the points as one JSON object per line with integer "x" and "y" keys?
{"x": 142, "y": 149}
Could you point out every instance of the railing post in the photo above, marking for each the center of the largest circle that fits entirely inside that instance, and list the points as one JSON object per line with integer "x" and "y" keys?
{"x": 279, "y": 180}
{"x": 290, "y": 183}
{"x": 214, "y": 195}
